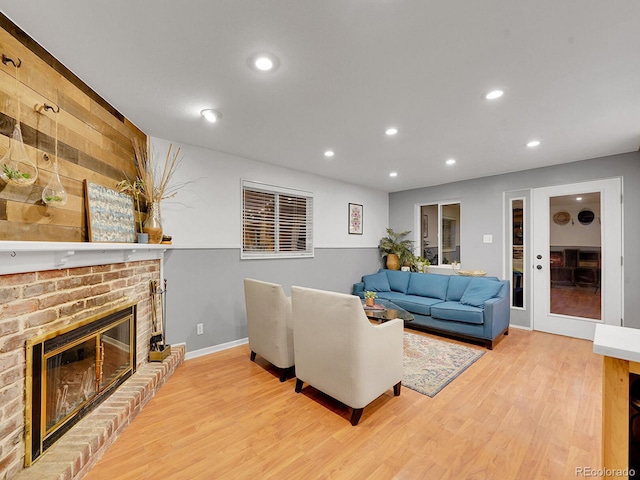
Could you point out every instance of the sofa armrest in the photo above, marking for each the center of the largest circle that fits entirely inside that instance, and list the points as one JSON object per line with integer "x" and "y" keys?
{"x": 496, "y": 316}
{"x": 358, "y": 289}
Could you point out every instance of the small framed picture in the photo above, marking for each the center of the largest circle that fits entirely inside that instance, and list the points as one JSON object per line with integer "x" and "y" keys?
{"x": 355, "y": 219}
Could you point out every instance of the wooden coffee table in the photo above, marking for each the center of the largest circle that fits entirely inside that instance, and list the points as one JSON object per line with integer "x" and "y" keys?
{"x": 384, "y": 310}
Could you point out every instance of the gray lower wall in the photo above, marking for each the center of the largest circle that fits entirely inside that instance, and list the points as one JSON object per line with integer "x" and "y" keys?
{"x": 206, "y": 286}
{"x": 482, "y": 213}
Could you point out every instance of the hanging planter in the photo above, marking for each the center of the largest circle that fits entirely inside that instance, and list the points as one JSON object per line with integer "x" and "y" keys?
{"x": 15, "y": 166}
{"x": 54, "y": 193}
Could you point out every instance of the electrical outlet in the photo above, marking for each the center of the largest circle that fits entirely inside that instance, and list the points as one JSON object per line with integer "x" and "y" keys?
{"x": 200, "y": 328}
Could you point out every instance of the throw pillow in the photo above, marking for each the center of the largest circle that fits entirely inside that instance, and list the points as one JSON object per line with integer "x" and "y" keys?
{"x": 479, "y": 291}
{"x": 398, "y": 280}
{"x": 457, "y": 285}
{"x": 432, "y": 285}
{"x": 376, "y": 282}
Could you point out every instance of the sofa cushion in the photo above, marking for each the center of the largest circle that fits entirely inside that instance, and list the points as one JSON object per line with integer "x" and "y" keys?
{"x": 398, "y": 280}
{"x": 428, "y": 285}
{"x": 416, "y": 304}
{"x": 376, "y": 282}
{"x": 479, "y": 291}
{"x": 457, "y": 286}
{"x": 458, "y": 312}
{"x": 391, "y": 296}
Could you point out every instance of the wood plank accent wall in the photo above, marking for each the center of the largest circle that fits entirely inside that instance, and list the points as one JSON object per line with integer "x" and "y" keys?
{"x": 94, "y": 141}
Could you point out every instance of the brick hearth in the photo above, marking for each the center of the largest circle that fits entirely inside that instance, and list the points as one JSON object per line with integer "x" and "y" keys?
{"x": 74, "y": 455}
{"x": 33, "y": 303}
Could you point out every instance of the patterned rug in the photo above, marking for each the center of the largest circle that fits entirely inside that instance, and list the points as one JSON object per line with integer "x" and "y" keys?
{"x": 430, "y": 364}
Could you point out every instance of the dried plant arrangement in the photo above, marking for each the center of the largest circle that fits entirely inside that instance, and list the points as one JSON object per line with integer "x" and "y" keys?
{"x": 157, "y": 184}
{"x": 135, "y": 189}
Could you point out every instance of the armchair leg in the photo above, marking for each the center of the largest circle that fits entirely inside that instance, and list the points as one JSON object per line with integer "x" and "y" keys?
{"x": 298, "y": 385}
{"x": 285, "y": 373}
{"x": 253, "y": 356}
{"x": 355, "y": 415}
{"x": 396, "y": 388}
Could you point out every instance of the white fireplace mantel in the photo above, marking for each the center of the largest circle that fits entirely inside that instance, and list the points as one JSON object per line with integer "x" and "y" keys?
{"x": 23, "y": 257}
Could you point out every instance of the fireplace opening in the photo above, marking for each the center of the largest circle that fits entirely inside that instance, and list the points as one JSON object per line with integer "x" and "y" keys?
{"x": 72, "y": 370}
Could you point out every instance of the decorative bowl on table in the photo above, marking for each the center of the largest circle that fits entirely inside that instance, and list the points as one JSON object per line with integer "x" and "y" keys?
{"x": 472, "y": 273}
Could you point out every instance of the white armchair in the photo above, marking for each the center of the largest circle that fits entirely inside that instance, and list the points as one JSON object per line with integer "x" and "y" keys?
{"x": 269, "y": 324}
{"x": 340, "y": 352}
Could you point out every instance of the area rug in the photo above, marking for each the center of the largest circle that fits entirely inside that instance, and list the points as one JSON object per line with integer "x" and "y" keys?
{"x": 430, "y": 364}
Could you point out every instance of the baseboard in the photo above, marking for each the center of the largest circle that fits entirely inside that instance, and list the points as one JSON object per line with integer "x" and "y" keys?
{"x": 216, "y": 348}
{"x": 520, "y": 327}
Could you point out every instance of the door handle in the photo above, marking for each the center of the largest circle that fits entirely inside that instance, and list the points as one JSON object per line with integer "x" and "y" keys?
{"x": 539, "y": 257}
{"x": 539, "y": 267}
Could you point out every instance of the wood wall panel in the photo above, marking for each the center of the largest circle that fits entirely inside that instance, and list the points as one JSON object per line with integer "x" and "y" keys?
{"x": 94, "y": 141}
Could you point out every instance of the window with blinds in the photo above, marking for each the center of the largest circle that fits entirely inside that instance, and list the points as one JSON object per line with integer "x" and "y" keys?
{"x": 276, "y": 222}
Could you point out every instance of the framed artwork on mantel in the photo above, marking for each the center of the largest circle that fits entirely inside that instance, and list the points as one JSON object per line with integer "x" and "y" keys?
{"x": 355, "y": 219}
{"x": 110, "y": 216}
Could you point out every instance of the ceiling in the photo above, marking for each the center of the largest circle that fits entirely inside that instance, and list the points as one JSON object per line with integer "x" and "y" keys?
{"x": 349, "y": 69}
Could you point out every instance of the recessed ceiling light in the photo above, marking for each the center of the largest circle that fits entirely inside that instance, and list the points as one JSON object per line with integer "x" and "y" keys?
{"x": 393, "y": 174}
{"x": 579, "y": 199}
{"x": 451, "y": 161}
{"x": 493, "y": 94}
{"x": 533, "y": 143}
{"x": 211, "y": 115}
{"x": 329, "y": 153}
{"x": 264, "y": 62}
{"x": 391, "y": 131}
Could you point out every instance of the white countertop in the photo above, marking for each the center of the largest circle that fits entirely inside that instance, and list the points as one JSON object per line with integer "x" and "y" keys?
{"x": 617, "y": 342}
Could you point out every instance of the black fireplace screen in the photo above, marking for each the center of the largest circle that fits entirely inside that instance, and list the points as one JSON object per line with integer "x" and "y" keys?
{"x": 83, "y": 364}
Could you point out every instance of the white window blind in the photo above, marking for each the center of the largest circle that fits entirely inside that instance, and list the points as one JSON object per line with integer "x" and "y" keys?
{"x": 276, "y": 221}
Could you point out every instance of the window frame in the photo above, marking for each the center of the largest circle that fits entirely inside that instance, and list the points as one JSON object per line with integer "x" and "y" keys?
{"x": 456, "y": 237}
{"x": 278, "y": 221}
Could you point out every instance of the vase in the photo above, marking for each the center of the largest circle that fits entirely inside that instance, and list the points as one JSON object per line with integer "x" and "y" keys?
{"x": 152, "y": 225}
{"x": 370, "y": 301}
{"x": 393, "y": 262}
{"x": 143, "y": 238}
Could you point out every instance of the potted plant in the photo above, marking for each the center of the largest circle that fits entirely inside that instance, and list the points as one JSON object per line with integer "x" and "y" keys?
{"x": 370, "y": 298}
{"x": 397, "y": 249}
{"x": 158, "y": 181}
{"x": 15, "y": 176}
{"x": 135, "y": 188}
{"x": 420, "y": 264}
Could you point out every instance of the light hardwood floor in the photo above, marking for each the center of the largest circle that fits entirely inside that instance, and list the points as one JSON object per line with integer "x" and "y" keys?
{"x": 529, "y": 409}
{"x": 582, "y": 302}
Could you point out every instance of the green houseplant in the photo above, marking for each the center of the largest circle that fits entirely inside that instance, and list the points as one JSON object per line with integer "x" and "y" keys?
{"x": 420, "y": 264}
{"x": 370, "y": 297}
{"x": 397, "y": 249}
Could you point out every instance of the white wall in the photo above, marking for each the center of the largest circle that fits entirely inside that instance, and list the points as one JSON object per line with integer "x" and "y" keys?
{"x": 203, "y": 268}
{"x": 207, "y": 212}
{"x": 574, "y": 234}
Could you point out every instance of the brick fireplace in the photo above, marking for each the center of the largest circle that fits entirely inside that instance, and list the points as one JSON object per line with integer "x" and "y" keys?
{"x": 54, "y": 296}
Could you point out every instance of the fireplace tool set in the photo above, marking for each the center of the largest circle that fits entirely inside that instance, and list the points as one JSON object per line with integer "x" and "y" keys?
{"x": 158, "y": 349}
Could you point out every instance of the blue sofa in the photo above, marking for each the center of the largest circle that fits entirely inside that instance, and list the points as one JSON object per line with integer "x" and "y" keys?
{"x": 475, "y": 308}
